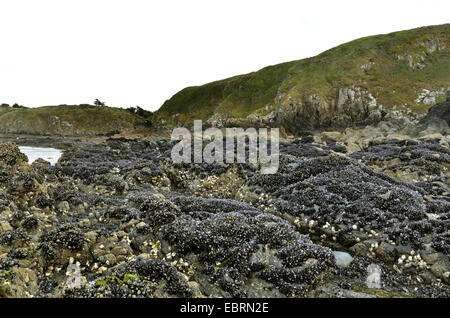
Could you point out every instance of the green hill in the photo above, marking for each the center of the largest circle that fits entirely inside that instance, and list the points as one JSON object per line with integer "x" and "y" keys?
{"x": 357, "y": 82}
{"x": 69, "y": 120}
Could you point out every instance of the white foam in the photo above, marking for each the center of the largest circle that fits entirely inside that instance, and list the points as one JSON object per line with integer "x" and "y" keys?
{"x": 48, "y": 154}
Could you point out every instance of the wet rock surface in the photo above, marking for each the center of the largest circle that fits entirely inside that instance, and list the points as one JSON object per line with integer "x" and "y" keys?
{"x": 118, "y": 219}
{"x": 439, "y": 111}
{"x": 438, "y": 117}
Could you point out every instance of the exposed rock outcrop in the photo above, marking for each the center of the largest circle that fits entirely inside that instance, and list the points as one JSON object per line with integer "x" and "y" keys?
{"x": 438, "y": 118}
{"x": 10, "y": 155}
{"x": 351, "y": 105}
{"x": 119, "y": 219}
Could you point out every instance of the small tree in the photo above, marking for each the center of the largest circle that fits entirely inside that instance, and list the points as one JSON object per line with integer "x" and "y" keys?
{"x": 98, "y": 103}
{"x": 17, "y": 106}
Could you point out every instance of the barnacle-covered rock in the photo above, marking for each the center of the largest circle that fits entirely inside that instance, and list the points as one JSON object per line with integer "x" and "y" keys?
{"x": 137, "y": 225}
{"x": 10, "y": 155}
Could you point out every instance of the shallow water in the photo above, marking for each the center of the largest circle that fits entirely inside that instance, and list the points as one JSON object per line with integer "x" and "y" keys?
{"x": 48, "y": 154}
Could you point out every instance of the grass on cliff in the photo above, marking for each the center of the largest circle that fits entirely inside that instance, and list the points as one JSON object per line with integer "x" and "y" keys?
{"x": 67, "y": 119}
{"x": 389, "y": 79}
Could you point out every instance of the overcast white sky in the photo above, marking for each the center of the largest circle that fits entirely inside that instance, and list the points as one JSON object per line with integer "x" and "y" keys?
{"x": 137, "y": 52}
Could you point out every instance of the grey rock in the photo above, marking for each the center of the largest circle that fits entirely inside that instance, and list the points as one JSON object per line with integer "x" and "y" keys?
{"x": 359, "y": 249}
{"x": 386, "y": 251}
{"x": 441, "y": 268}
{"x": 373, "y": 279}
{"x": 74, "y": 278}
{"x": 439, "y": 112}
{"x": 343, "y": 259}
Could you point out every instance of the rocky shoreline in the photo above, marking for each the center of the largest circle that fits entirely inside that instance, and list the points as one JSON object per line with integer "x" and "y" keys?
{"x": 357, "y": 213}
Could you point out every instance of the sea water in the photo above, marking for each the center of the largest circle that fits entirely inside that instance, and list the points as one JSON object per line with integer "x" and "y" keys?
{"x": 48, "y": 154}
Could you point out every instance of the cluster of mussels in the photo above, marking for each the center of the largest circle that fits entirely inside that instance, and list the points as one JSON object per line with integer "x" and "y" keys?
{"x": 119, "y": 219}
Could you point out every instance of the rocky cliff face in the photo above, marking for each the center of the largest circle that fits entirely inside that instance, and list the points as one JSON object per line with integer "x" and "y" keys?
{"x": 360, "y": 82}
{"x": 350, "y": 105}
